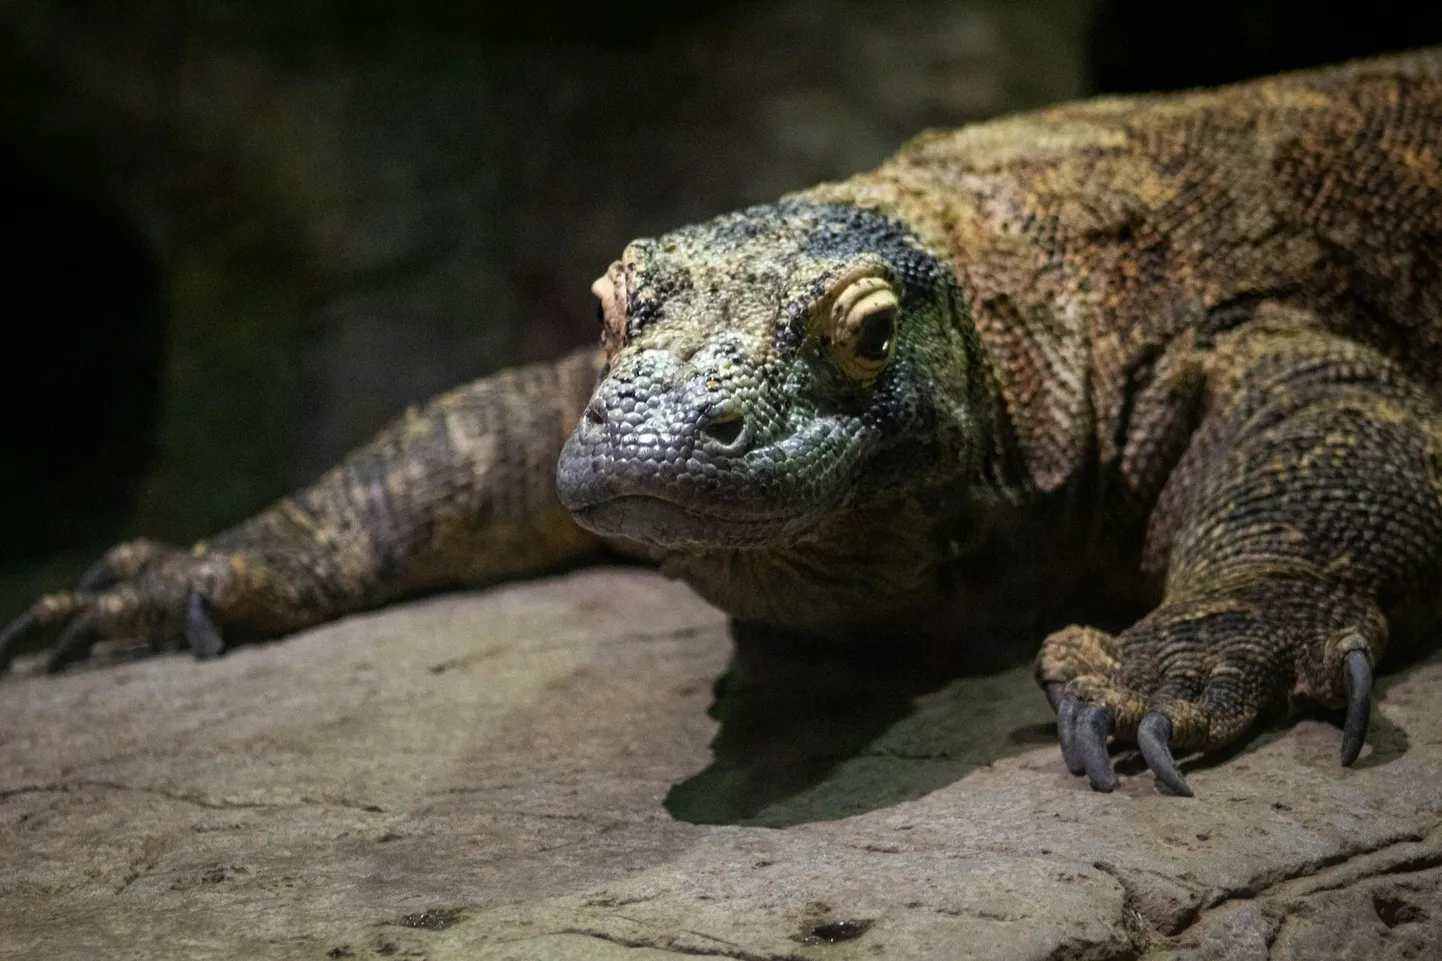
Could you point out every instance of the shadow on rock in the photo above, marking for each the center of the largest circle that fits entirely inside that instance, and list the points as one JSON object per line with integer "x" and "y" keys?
{"x": 813, "y": 731}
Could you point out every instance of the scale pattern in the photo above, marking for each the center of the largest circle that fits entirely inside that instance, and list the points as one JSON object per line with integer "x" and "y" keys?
{"x": 1190, "y": 342}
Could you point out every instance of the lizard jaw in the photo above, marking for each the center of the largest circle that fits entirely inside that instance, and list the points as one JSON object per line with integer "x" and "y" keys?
{"x": 658, "y": 523}
{"x": 675, "y": 496}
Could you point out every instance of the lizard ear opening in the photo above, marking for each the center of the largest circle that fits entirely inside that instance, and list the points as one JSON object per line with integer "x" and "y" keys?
{"x": 863, "y": 326}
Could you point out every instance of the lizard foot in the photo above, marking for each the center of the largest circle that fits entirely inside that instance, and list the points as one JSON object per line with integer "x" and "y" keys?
{"x": 138, "y": 590}
{"x": 1195, "y": 677}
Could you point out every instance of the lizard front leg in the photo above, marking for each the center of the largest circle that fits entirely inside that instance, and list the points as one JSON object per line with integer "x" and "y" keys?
{"x": 1306, "y": 510}
{"x": 460, "y": 491}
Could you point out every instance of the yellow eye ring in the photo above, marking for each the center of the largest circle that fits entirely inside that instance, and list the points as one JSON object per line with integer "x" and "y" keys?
{"x": 863, "y": 327}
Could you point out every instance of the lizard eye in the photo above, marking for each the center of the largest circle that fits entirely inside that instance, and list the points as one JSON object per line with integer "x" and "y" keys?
{"x": 863, "y": 333}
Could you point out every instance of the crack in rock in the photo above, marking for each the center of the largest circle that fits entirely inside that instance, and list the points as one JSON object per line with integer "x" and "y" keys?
{"x": 669, "y": 945}
{"x": 1258, "y": 915}
{"x": 1265, "y": 886}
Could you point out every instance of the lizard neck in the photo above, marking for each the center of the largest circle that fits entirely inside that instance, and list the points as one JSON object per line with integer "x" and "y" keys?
{"x": 890, "y": 549}
{"x": 1026, "y": 325}
{"x": 872, "y": 561}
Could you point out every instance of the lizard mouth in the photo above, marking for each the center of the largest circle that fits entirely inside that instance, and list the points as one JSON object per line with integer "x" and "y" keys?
{"x": 657, "y": 522}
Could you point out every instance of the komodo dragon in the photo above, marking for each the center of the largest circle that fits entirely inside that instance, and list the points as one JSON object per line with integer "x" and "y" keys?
{"x": 1180, "y": 348}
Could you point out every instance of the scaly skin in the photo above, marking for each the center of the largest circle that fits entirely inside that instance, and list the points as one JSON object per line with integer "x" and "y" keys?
{"x": 1182, "y": 350}
{"x": 456, "y": 492}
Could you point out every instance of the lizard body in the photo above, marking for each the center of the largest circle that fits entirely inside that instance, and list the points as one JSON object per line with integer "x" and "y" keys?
{"x": 1185, "y": 348}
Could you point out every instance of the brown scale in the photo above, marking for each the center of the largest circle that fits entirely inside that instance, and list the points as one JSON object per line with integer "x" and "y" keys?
{"x": 1219, "y": 313}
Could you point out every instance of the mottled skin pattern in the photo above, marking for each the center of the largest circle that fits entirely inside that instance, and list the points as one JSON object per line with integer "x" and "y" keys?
{"x": 456, "y": 492}
{"x": 1181, "y": 350}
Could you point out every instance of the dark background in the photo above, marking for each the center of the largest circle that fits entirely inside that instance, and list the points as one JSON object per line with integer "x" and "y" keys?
{"x": 238, "y": 236}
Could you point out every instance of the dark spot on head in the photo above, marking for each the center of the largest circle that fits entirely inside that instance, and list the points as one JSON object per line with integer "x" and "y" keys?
{"x": 644, "y": 313}
{"x": 841, "y": 232}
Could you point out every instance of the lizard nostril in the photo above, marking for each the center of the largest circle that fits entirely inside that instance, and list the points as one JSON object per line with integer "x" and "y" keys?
{"x": 595, "y": 412}
{"x": 730, "y": 436}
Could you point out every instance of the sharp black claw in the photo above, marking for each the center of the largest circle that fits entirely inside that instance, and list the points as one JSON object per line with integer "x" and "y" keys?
{"x": 1093, "y": 726}
{"x": 200, "y": 630}
{"x": 11, "y": 637}
{"x": 1066, "y": 714}
{"x": 1357, "y": 678}
{"x": 97, "y": 577}
{"x": 73, "y": 645}
{"x": 1152, "y": 736}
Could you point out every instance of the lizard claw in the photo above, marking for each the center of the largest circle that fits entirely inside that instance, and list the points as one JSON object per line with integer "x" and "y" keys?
{"x": 1066, "y": 714}
{"x": 98, "y": 577}
{"x": 1152, "y": 736}
{"x": 74, "y": 644}
{"x": 1094, "y": 725}
{"x": 10, "y": 638}
{"x": 1357, "y": 678}
{"x": 140, "y": 591}
{"x": 200, "y": 631}
{"x": 52, "y": 612}
{"x": 1082, "y": 730}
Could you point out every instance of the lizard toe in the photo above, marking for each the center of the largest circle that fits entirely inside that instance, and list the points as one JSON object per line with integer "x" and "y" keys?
{"x": 201, "y": 631}
{"x": 1153, "y": 735}
{"x": 74, "y": 644}
{"x": 51, "y": 613}
{"x": 13, "y": 636}
{"x": 150, "y": 612}
{"x": 1094, "y": 726}
{"x": 1357, "y": 678}
{"x": 1066, "y": 716}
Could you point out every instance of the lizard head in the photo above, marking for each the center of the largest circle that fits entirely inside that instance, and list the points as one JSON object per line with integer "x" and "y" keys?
{"x": 761, "y": 368}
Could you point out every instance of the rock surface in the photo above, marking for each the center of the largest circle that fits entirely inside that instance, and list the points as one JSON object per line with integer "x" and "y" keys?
{"x": 522, "y": 774}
